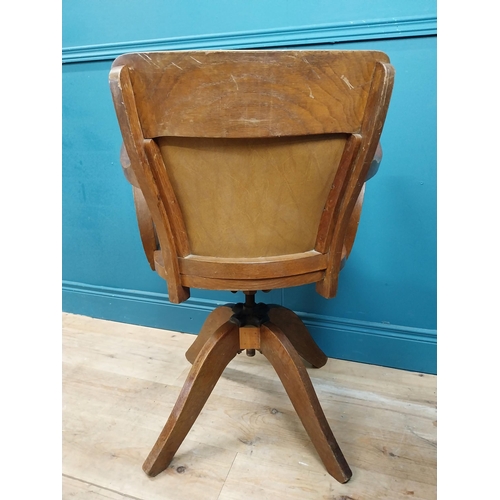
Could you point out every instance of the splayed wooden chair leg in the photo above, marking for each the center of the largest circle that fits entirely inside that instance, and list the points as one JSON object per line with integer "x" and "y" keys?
{"x": 298, "y": 334}
{"x": 280, "y": 352}
{"x": 281, "y": 336}
{"x": 215, "y": 319}
{"x": 220, "y": 348}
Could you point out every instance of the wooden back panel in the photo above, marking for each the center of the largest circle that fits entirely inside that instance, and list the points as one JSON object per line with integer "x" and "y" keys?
{"x": 250, "y": 93}
{"x": 251, "y": 162}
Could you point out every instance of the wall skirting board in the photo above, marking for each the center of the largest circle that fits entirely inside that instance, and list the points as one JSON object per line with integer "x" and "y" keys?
{"x": 374, "y": 343}
{"x": 374, "y": 29}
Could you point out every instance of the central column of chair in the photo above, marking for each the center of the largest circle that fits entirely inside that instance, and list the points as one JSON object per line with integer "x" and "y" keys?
{"x": 278, "y": 334}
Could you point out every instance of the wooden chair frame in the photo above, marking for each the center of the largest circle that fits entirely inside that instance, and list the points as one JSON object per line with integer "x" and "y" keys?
{"x": 174, "y": 259}
{"x": 171, "y": 94}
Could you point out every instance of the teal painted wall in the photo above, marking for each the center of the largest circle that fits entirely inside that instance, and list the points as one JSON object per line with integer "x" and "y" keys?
{"x": 385, "y": 309}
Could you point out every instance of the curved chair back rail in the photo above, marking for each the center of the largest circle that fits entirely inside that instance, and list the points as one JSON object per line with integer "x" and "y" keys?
{"x": 251, "y": 163}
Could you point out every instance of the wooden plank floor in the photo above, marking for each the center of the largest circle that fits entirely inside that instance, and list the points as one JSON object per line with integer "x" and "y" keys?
{"x": 120, "y": 382}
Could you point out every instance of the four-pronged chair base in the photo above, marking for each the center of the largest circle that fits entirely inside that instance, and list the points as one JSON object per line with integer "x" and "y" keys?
{"x": 278, "y": 334}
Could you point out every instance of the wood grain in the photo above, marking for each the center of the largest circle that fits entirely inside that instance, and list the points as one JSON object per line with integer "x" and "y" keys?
{"x": 214, "y": 356}
{"x": 253, "y": 284}
{"x": 216, "y": 318}
{"x": 200, "y": 94}
{"x": 146, "y": 226}
{"x": 169, "y": 198}
{"x": 285, "y": 360}
{"x": 253, "y": 268}
{"x": 251, "y": 154}
{"x": 125, "y": 106}
{"x": 371, "y": 129}
{"x": 298, "y": 335}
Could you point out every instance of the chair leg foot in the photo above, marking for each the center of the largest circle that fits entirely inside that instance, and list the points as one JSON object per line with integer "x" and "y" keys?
{"x": 282, "y": 355}
{"x": 215, "y": 319}
{"x": 218, "y": 350}
{"x": 298, "y": 334}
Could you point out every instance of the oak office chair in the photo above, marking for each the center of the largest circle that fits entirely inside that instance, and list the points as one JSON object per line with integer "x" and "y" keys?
{"x": 248, "y": 171}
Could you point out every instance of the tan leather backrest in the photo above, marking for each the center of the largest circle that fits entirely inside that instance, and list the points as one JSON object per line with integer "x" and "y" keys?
{"x": 252, "y": 197}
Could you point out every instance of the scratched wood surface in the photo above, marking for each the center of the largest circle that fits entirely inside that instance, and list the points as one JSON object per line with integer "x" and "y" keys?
{"x": 121, "y": 381}
{"x": 288, "y": 138}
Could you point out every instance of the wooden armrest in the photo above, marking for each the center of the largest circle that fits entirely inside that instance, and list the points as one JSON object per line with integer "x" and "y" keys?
{"x": 146, "y": 226}
{"x": 127, "y": 169}
{"x": 375, "y": 162}
{"x": 352, "y": 228}
{"x": 144, "y": 219}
